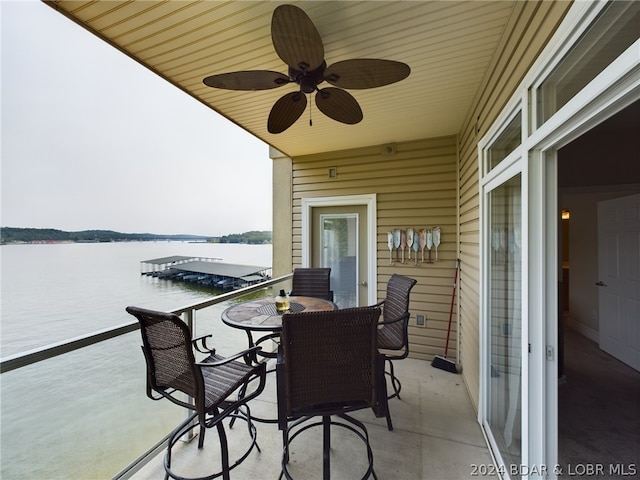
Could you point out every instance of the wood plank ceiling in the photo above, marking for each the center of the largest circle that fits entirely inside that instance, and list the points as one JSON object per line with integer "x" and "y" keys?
{"x": 449, "y": 46}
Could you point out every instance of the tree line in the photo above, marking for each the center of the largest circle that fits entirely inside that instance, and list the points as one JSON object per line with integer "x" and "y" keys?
{"x": 10, "y": 235}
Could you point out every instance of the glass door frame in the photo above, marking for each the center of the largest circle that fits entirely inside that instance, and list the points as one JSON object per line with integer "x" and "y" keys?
{"x": 514, "y": 164}
{"x": 369, "y": 200}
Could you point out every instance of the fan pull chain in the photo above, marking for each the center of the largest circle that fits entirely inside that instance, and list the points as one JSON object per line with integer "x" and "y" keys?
{"x": 310, "y": 107}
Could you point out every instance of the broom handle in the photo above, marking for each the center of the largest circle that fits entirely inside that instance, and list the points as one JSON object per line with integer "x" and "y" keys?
{"x": 453, "y": 296}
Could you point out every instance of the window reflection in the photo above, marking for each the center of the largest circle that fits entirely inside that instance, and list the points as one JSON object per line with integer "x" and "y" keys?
{"x": 507, "y": 142}
{"x": 615, "y": 29}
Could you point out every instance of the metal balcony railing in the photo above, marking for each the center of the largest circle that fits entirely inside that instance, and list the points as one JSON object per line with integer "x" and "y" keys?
{"x": 17, "y": 361}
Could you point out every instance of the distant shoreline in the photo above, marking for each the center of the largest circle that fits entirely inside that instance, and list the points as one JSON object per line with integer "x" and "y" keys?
{"x": 69, "y": 242}
{"x": 39, "y": 236}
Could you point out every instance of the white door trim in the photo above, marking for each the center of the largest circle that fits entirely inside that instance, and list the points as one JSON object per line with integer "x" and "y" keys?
{"x": 368, "y": 200}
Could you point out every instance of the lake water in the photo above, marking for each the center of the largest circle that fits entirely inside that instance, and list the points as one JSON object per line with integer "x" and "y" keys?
{"x": 85, "y": 415}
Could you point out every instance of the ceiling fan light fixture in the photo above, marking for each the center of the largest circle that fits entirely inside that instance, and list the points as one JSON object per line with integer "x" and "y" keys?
{"x": 307, "y": 84}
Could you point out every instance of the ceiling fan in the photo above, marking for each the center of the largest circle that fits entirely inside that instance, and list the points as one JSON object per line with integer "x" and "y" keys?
{"x": 297, "y": 42}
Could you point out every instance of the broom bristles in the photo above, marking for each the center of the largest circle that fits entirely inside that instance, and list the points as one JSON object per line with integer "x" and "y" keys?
{"x": 444, "y": 363}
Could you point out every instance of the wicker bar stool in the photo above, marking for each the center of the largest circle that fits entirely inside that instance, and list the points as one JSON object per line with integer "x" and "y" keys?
{"x": 393, "y": 334}
{"x": 328, "y": 365}
{"x": 217, "y": 385}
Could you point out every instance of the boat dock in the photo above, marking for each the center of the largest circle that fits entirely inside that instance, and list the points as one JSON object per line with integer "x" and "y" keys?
{"x": 209, "y": 272}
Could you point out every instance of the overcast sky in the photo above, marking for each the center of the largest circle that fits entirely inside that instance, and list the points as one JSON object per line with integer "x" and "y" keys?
{"x": 93, "y": 140}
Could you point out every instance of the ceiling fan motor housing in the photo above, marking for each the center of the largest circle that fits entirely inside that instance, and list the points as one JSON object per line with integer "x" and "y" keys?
{"x": 308, "y": 80}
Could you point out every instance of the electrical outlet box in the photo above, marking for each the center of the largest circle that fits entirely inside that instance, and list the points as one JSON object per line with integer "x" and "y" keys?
{"x": 420, "y": 320}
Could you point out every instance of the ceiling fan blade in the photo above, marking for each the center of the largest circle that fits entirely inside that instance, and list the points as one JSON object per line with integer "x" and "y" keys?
{"x": 296, "y": 39}
{"x": 366, "y": 73}
{"x": 338, "y": 104}
{"x": 286, "y": 111}
{"x": 247, "y": 80}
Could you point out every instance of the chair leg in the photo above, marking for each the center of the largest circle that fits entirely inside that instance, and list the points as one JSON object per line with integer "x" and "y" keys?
{"x": 326, "y": 447}
{"x": 389, "y": 424}
{"x": 395, "y": 382}
{"x": 201, "y": 436}
{"x": 382, "y": 407}
{"x": 285, "y": 451}
{"x": 250, "y": 426}
{"x": 241, "y": 394}
{"x": 224, "y": 450}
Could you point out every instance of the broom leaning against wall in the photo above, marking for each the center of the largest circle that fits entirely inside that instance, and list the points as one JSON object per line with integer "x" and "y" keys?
{"x": 441, "y": 361}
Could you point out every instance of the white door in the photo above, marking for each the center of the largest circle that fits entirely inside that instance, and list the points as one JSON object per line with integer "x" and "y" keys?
{"x": 340, "y": 233}
{"x": 619, "y": 278}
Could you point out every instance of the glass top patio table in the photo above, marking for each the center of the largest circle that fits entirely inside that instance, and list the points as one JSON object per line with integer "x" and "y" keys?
{"x": 261, "y": 315}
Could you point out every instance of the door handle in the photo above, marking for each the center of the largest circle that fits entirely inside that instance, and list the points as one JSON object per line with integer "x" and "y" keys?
{"x": 364, "y": 283}
{"x": 601, "y": 284}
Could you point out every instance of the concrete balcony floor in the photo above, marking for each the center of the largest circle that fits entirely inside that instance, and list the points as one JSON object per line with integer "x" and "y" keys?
{"x": 436, "y": 436}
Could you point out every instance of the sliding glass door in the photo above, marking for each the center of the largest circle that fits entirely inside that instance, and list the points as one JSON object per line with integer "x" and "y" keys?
{"x": 504, "y": 322}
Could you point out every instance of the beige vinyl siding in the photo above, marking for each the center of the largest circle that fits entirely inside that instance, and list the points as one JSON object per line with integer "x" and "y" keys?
{"x": 282, "y": 238}
{"x": 527, "y": 32}
{"x": 415, "y": 187}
